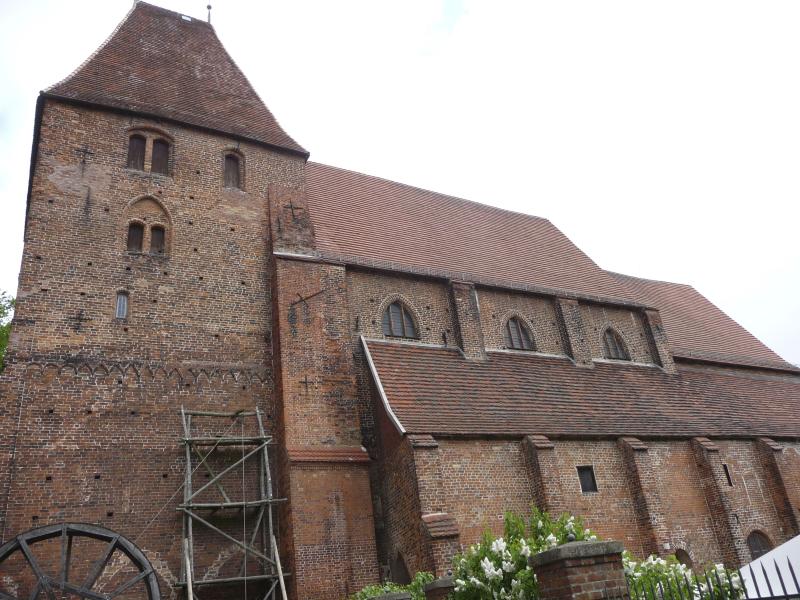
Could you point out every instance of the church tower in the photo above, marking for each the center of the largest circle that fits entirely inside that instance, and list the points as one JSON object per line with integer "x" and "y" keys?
{"x": 159, "y": 180}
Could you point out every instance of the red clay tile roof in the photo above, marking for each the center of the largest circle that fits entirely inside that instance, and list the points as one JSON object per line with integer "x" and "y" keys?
{"x": 157, "y": 62}
{"x": 360, "y": 218}
{"x": 436, "y": 391}
{"x": 697, "y": 329}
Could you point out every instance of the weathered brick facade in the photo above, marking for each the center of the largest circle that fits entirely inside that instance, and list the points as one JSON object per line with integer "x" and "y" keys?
{"x": 255, "y": 302}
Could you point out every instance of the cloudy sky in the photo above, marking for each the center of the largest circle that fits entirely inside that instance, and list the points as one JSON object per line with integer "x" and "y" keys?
{"x": 662, "y": 137}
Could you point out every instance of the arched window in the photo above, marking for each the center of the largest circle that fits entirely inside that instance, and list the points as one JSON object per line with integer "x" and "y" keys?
{"x": 232, "y": 174}
{"x": 121, "y": 308}
{"x": 684, "y": 558}
{"x": 613, "y": 346}
{"x": 157, "y": 239}
{"x": 135, "y": 237}
{"x": 517, "y": 335}
{"x": 398, "y": 322}
{"x": 159, "y": 163}
{"x": 136, "y": 144}
{"x": 759, "y": 544}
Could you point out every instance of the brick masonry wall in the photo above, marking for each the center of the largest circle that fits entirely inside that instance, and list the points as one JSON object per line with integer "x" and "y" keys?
{"x": 481, "y": 480}
{"x": 369, "y": 293}
{"x": 538, "y": 313}
{"x": 688, "y": 521}
{"x": 630, "y": 325}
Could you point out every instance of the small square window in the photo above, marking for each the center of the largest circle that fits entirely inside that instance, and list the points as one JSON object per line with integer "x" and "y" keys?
{"x": 586, "y": 477}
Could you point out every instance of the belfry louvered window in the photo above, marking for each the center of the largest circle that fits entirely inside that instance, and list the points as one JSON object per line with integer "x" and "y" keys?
{"x": 157, "y": 238}
{"x": 517, "y": 335}
{"x": 614, "y": 347}
{"x": 136, "y": 144}
{"x": 398, "y": 322}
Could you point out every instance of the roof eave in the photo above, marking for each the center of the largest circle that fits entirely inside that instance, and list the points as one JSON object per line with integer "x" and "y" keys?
{"x": 128, "y": 111}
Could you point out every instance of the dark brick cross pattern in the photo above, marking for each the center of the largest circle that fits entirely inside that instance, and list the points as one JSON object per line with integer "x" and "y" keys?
{"x": 78, "y": 320}
{"x": 83, "y": 152}
{"x": 291, "y": 206}
{"x": 305, "y": 382}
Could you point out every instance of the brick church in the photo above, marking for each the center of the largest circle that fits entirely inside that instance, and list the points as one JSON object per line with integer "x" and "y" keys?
{"x": 235, "y": 371}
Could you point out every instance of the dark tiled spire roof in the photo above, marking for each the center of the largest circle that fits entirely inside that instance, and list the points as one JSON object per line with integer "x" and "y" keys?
{"x": 165, "y": 64}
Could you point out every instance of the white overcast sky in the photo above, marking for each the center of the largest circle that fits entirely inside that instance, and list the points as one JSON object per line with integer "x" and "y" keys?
{"x": 662, "y": 137}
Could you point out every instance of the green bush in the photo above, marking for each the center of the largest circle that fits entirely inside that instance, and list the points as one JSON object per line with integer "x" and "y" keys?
{"x": 415, "y": 588}
{"x": 497, "y": 569}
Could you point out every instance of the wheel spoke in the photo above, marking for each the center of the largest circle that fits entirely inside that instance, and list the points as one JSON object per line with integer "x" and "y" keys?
{"x": 66, "y": 553}
{"x": 100, "y": 565}
{"x": 35, "y": 593}
{"x": 130, "y": 583}
{"x": 6, "y": 596}
{"x": 26, "y": 550}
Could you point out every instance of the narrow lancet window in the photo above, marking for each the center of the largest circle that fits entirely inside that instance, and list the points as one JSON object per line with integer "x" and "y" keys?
{"x": 614, "y": 347}
{"x": 160, "y": 160}
{"x": 157, "y": 240}
{"x": 135, "y": 237}
{"x": 136, "y": 145}
{"x": 232, "y": 179}
{"x": 121, "y": 311}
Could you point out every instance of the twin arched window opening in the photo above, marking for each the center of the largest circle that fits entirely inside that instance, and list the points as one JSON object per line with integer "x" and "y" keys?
{"x": 399, "y": 322}
{"x": 159, "y": 158}
{"x": 613, "y": 346}
{"x": 158, "y": 238}
{"x": 517, "y": 335}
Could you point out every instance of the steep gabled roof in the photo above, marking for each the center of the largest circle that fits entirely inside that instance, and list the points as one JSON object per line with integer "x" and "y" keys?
{"x": 373, "y": 220}
{"x": 697, "y": 329}
{"x": 165, "y": 64}
{"x": 437, "y": 391}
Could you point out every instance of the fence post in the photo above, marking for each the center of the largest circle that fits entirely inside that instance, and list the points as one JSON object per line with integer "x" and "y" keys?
{"x": 581, "y": 571}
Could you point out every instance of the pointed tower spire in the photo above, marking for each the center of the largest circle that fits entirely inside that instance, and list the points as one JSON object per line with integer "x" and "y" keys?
{"x": 209, "y": 13}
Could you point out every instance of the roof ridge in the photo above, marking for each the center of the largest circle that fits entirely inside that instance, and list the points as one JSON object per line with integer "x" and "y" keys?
{"x": 440, "y": 194}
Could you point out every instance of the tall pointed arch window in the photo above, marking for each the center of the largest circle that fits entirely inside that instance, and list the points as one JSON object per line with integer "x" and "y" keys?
{"x": 613, "y": 346}
{"x": 399, "y": 322}
{"x": 517, "y": 335}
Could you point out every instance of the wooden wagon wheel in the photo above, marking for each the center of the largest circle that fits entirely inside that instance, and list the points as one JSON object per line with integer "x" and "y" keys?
{"x": 47, "y": 584}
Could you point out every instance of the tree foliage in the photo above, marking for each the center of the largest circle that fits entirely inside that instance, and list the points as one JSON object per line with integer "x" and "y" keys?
{"x": 6, "y": 312}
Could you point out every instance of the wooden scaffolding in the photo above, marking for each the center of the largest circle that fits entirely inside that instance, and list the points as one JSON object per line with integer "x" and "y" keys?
{"x": 233, "y": 505}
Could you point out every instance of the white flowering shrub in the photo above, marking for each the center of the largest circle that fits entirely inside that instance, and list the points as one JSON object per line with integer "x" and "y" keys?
{"x": 497, "y": 568}
{"x": 655, "y": 578}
